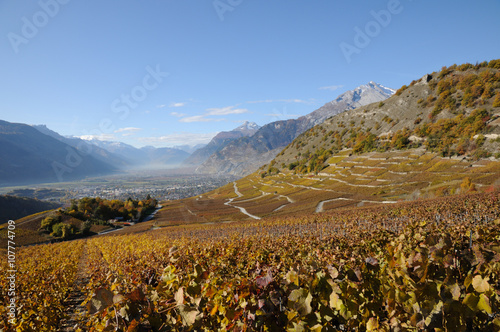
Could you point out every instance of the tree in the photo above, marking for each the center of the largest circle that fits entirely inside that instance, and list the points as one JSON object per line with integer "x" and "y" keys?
{"x": 85, "y": 228}
{"x": 48, "y": 222}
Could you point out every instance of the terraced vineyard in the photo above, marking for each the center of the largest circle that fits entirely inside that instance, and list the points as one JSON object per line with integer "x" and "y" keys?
{"x": 349, "y": 181}
{"x": 411, "y": 266}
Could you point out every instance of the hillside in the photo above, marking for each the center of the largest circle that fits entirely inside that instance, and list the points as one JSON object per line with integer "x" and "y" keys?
{"x": 12, "y": 208}
{"x": 83, "y": 218}
{"x": 454, "y": 112}
{"x": 404, "y": 148}
{"x": 245, "y": 155}
{"x": 28, "y": 156}
{"x": 220, "y": 141}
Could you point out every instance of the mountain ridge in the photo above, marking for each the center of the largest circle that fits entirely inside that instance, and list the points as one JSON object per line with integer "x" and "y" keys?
{"x": 29, "y": 156}
{"x": 220, "y": 141}
{"x": 243, "y": 156}
{"x": 438, "y": 136}
{"x": 457, "y": 96}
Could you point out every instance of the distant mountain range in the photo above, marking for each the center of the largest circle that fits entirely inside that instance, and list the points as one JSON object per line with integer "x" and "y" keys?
{"x": 146, "y": 156}
{"x": 246, "y": 154}
{"x": 34, "y": 154}
{"x": 120, "y": 154}
{"x": 29, "y": 156}
{"x": 83, "y": 146}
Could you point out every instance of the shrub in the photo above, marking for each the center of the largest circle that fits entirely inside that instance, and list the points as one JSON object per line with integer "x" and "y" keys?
{"x": 444, "y": 71}
{"x": 49, "y": 222}
{"x": 494, "y": 64}
{"x": 496, "y": 102}
{"x": 400, "y": 90}
{"x": 63, "y": 230}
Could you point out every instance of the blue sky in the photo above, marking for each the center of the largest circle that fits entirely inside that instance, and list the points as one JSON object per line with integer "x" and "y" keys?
{"x": 172, "y": 72}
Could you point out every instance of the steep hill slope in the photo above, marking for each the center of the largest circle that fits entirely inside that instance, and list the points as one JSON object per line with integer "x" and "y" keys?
{"x": 407, "y": 147}
{"x": 220, "y": 141}
{"x": 454, "y": 112}
{"x": 28, "y": 156}
{"x": 247, "y": 154}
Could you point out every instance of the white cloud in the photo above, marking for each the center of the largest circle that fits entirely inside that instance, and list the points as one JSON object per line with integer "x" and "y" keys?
{"x": 210, "y": 112}
{"x": 226, "y": 110}
{"x": 182, "y": 138}
{"x": 177, "y": 105}
{"x": 177, "y": 114}
{"x": 331, "y": 87}
{"x": 128, "y": 130}
{"x": 160, "y": 106}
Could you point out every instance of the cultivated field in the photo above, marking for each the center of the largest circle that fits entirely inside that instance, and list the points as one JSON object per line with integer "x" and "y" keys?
{"x": 424, "y": 265}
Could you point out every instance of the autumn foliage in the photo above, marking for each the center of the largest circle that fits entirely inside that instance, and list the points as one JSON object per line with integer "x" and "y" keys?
{"x": 423, "y": 265}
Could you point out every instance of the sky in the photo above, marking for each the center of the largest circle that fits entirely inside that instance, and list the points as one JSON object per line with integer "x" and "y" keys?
{"x": 174, "y": 72}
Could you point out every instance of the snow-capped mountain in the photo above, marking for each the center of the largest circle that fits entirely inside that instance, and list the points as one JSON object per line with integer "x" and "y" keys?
{"x": 245, "y": 155}
{"x": 248, "y": 128}
{"x": 363, "y": 95}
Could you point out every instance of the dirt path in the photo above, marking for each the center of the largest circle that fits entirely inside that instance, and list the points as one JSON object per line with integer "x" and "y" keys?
{"x": 72, "y": 304}
{"x": 243, "y": 210}
{"x": 320, "y": 206}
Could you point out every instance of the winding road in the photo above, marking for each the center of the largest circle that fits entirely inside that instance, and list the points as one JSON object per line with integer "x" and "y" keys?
{"x": 243, "y": 210}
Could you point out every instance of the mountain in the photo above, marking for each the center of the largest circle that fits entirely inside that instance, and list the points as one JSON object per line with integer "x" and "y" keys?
{"x": 120, "y": 154}
{"x": 246, "y": 154}
{"x": 454, "y": 112}
{"x": 189, "y": 148}
{"x": 222, "y": 139}
{"x": 132, "y": 155}
{"x": 28, "y": 156}
{"x": 145, "y": 156}
{"x": 362, "y": 95}
{"x": 438, "y": 136}
{"x": 164, "y": 156}
{"x": 84, "y": 147}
